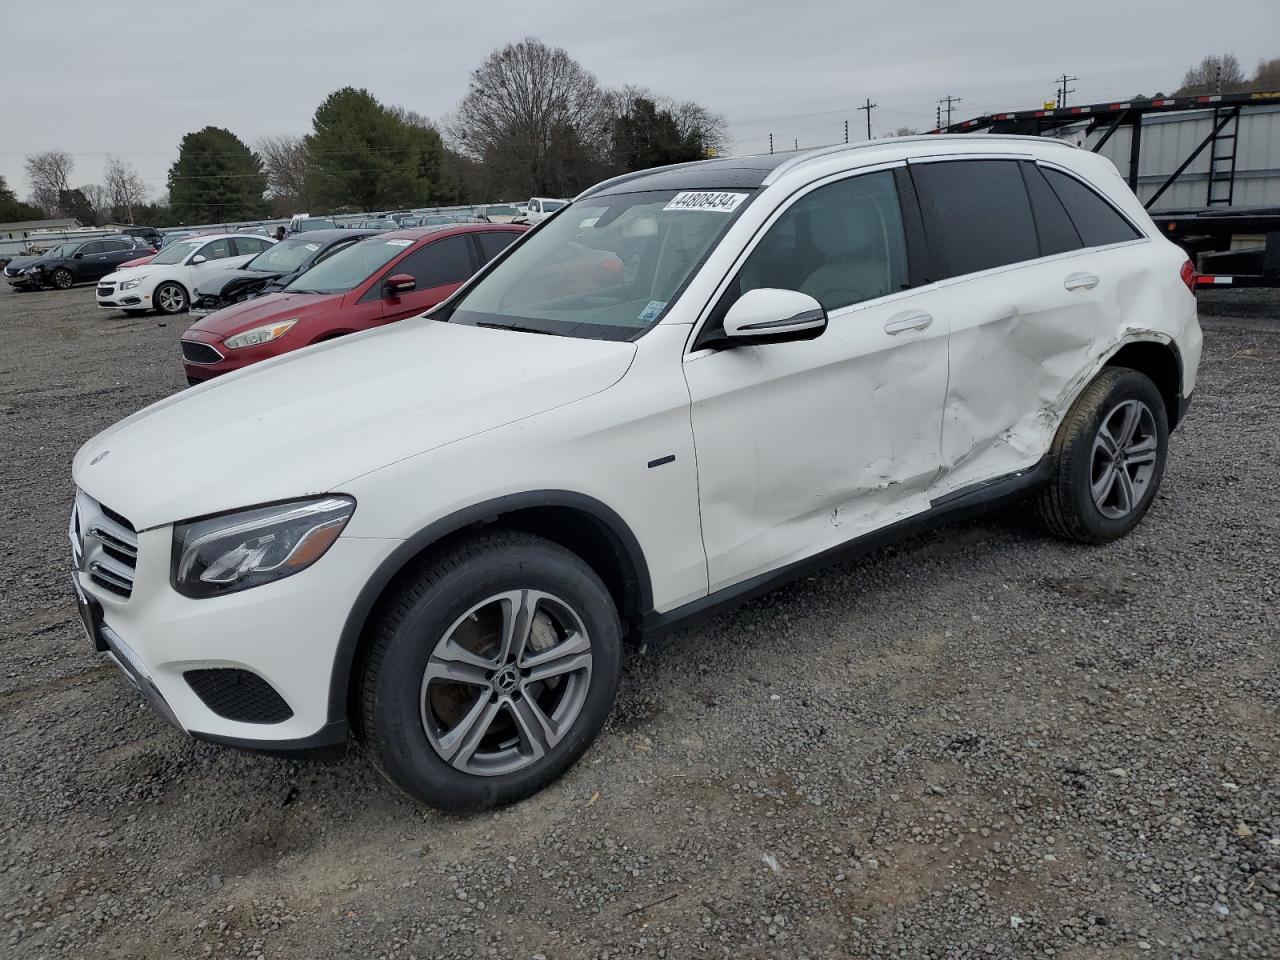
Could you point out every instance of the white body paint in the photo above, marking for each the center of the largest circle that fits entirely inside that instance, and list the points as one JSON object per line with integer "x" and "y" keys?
{"x": 780, "y": 450}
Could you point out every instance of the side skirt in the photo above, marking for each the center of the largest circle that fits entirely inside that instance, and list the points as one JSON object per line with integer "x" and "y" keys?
{"x": 960, "y": 504}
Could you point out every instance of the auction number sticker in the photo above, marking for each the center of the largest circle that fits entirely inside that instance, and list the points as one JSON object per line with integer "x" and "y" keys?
{"x": 706, "y": 200}
{"x": 399, "y": 243}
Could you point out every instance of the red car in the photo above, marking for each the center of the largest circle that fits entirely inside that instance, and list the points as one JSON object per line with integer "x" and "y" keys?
{"x": 385, "y": 278}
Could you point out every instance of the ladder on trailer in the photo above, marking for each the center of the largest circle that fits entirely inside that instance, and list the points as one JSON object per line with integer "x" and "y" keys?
{"x": 1222, "y": 156}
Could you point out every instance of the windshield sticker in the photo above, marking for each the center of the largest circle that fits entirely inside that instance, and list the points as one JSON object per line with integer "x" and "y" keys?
{"x": 399, "y": 243}
{"x": 312, "y": 246}
{"x": 703, "y": 200}
{"x": 651, "y": 310}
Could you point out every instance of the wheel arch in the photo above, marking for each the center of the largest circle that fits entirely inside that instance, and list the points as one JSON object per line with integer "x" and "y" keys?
{"x": 1159, "y": 360}
{"x": 573, "y": 520}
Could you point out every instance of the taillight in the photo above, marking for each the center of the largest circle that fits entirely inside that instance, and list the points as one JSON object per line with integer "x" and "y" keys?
{"x": 1188, "y": 274}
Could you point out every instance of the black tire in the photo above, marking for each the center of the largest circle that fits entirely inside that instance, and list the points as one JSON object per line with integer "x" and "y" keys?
{"x": 1067, "y": 507}
{"x": 180, "y": 300}
{"x": 430, "y": 601}
{"x": 62, "y": 279}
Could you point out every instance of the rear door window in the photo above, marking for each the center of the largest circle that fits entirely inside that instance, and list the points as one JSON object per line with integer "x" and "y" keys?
{"x": 1053, "y": 226}
{"x": 1098, "y": 222}
{"x": 976, "y": 215}
{"x": 492, "y": 244}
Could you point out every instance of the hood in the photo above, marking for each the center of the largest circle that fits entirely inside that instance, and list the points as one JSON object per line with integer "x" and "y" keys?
{"x": 311, "y": 420}
{"x": 136, "y": 273}
{"x": 213, "y": 286}
{"x": 19, "y": 263}
{"x": 262, "y": 310}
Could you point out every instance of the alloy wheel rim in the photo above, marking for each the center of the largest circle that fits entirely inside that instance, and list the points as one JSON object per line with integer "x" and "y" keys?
{"x": 1124, "y": 459}
{"x": 62, "y": 279}
{"x": 169, "y": 299}
{"x": 506, "y": 682}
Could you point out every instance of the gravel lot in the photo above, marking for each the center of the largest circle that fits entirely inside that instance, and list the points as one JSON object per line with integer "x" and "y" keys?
{"x": 978, "y": 743}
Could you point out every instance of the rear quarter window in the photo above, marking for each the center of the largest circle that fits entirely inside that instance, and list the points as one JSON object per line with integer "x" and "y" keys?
{"x": 1098, "y": 222}
{"x": 976, "y": 215}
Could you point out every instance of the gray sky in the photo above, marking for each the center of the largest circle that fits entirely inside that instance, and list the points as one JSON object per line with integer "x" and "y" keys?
{"x": 131, "y": 78}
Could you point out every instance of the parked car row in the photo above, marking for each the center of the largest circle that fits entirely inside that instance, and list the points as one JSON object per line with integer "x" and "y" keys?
{"x": 72, "y": 262}
{"x": 355, "y": 282}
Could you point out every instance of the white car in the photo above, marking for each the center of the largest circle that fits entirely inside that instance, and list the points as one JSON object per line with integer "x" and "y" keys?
{"x": 539, "y": 208}
{"x": 692, "y": 385}
{"x": 167, "y": 282}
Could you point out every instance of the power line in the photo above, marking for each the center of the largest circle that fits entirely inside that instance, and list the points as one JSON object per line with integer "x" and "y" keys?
{"x": 1063, "y": 91}
{"x": 950, "y": 101}
{"x": 868, "y": 106}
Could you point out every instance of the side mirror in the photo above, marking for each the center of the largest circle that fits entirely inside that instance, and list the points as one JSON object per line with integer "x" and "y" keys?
{"x": 198, "y": 258}
{"x": 399, "y": 283}
{"x": 78, "y": 255}
{"x": 774, "y": 316}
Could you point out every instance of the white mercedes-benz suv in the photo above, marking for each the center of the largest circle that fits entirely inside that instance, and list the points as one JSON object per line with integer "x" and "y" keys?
{"x": 689, "y": 385}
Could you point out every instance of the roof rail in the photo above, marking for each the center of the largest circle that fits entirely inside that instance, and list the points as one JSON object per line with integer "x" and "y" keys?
{"x": 817, "y": 153}
{"x": 634, "y": 175}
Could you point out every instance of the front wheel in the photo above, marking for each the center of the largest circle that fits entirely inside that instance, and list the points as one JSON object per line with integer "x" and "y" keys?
{"x": 490, "y": 672}
{"x": 170, "y": 298}
{"x": 1108, "y": 459}
{"x": 62, "y": 278}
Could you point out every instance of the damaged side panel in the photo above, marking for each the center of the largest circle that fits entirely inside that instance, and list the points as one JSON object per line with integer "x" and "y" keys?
{"x": 1024, "y": 343}
{"x": 803, "y": 446}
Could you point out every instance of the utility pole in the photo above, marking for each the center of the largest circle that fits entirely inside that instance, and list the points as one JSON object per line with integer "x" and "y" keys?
{"x": 797, "y": 143}
{"x": 938, "y": 124}
{"x": 950, "y": 101}
{"x": 1063, "y": 91}
{"x": 868, "y": 107}
{"x": 846, "y": 131}
{"x": 771, "y": 143}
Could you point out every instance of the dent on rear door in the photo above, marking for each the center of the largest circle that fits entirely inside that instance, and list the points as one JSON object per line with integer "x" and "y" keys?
{"x": 1022, "y": 346}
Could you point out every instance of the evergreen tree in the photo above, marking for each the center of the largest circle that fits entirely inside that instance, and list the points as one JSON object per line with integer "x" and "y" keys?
{"x": 216, "y": 179}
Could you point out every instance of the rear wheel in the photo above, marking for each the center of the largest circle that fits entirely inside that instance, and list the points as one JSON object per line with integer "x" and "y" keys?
{"x": 62, "y": 278}
{"x": 170, "y": 298}
{"x": 490, "y": 673}
{"x": 1108, "y": 459}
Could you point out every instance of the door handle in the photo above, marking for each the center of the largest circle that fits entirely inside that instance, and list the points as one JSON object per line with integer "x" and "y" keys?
{"x": 915, "y": 321}
{"x": 1080, "y": 281}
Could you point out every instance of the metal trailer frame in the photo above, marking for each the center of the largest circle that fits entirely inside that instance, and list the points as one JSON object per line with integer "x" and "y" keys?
{"x": 1205, "y": 233}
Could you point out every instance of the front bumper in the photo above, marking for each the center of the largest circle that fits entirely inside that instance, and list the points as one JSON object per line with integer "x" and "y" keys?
{"x": 287, "y": 633}
{"x": 231, "y": 359}
{"x": 111, "y": 297}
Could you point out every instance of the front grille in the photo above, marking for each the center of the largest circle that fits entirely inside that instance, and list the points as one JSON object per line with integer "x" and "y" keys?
{"x": 196, "y": 352}
{"x": 238, "y": 695}
{"x": 103, "y": 545}
{"x": 106, "y": 290}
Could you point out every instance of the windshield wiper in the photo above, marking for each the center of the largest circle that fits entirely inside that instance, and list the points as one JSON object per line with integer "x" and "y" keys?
{"x": 516, "y": 327}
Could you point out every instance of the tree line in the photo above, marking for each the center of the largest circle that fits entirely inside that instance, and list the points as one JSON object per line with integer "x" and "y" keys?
{"x": 533, "y": 122}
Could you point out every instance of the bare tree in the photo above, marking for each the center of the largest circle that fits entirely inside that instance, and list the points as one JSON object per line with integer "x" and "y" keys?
{"x": 125, "y": 189}
{"x": 288, "y": 165}
{"x": 48, "y": 173}
{"x": 1213, "y": 74}
{"x": 99, "y": 200}
{"x": 905, "y": 132}
{"x": 1267, "y": 76}
{"x": 535, "y": 117}
{"x": 711, "y": 128}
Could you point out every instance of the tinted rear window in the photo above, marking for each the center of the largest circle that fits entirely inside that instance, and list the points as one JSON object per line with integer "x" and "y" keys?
{"x": 976, "y": 215}
{"x": 492, "y": 244}
{"x": 1057, "y": 234}
{"x": 1095, "y": 218}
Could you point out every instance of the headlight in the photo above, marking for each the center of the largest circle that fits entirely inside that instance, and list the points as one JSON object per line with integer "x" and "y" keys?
{"x": 247, "y": 548}
{"x": 130, "y": 284}
{"x": 31, "y": 270}
{"x": 259, "y": 334}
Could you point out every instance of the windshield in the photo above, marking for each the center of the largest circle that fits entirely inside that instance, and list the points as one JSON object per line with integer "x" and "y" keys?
{"x": 605, "y": 269}
{"x": 283, "y": 257}
{"x": 177, "y": 252}
{"x": 350, "y": 267}
{"x": 315, "y": 224}
{"x": 63, "y": 250}
{"x": 501, "y": 211}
